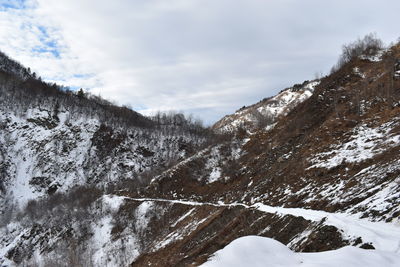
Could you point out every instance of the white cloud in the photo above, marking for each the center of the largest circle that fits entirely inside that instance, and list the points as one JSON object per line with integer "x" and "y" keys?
{"x": 203, "y": 56}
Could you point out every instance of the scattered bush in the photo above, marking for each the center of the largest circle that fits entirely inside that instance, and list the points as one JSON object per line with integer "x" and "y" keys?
{"x": 369, "y": 45}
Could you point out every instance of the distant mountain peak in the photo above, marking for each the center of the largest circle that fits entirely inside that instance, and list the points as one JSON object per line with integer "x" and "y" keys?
{"x": 266, "y": 112}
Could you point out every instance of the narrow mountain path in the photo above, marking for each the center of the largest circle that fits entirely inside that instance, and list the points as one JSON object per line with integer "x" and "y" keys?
{"x": 383, "y": 236}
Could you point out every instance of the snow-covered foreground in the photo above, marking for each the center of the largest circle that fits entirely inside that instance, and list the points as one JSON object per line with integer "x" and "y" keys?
{"x": 383, "y": 236}
{"x": 261, "y": 251}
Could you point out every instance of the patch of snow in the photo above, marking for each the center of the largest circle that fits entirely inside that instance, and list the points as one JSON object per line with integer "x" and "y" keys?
{"x": 184, "y": 216}
{"x": 215, "y": 175}
{"x": 357, "y": 71}
{"x": 374, "y": 58}
{"x": 142, "y": 215}
{"x": 174, "y": 236}
{"x": 299, "y": 238}
{"x": 212, "y": 165}
{"x": 6, "y": 247}
{"x": 108, "y": 252}
{"x": 113, "y": 202}
{"x": 311, "y": 85}
{"x": 365, "y": 143}
{"x": 385, "y": 197}
{"x": 101, "y": 237}
{"x": 270, "y": 127}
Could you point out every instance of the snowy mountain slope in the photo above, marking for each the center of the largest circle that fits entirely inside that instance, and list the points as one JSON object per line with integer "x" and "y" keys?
{"x": 325, "y": 176}
{"x": 266, "y": 112}
{"x": 40, "y": 159}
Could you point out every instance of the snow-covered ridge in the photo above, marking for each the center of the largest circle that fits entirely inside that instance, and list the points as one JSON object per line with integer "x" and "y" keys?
{"x": 266, "y": 112}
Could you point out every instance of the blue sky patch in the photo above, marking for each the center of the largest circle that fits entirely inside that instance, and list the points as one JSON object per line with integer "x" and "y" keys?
{"x": 12, "y": 4}
{"x": 49, "y": 45}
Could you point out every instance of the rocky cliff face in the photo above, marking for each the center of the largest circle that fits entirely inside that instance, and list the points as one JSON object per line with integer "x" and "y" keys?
{"x": 323, "y": 173}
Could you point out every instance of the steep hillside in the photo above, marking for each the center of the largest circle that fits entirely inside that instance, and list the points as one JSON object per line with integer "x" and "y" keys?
{"x": 43, "y": 152}
{"x": 323, "y": 173}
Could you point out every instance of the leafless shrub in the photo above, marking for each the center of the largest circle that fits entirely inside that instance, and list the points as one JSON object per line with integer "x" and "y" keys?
{"x": 369, "y": 45}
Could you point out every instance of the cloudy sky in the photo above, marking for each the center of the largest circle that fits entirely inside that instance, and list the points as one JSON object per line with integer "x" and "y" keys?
{"x": 205, "y": 57}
